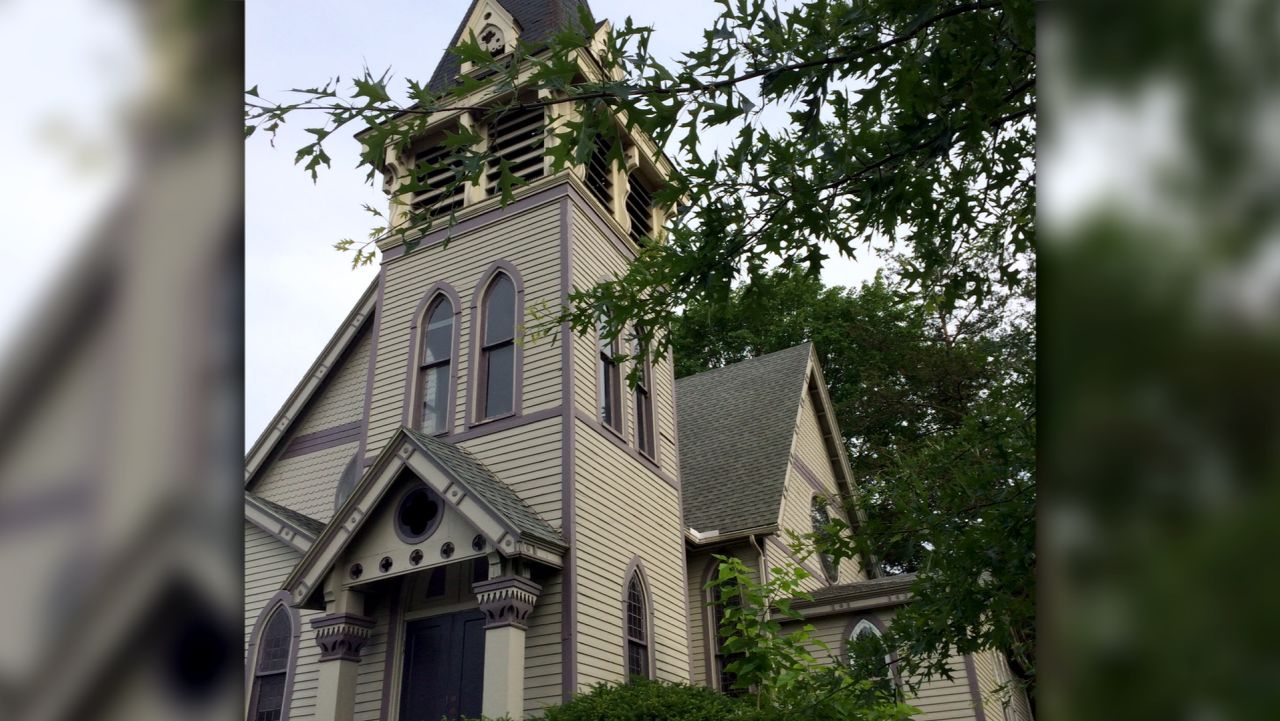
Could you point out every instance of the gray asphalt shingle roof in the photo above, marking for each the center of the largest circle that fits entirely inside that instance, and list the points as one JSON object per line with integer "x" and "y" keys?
{"x": 538, "y": 20}
{"x": 306, "y": 523}
{"x": 483, "y": 483}
{"x": 736, "y": 425}
{"x": 864, "y": 589}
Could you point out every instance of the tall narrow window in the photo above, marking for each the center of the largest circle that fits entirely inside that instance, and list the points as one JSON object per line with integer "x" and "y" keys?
{"x": 609, "y": 379}
{"x": 873, "y": 669}
{"x": 821, "y": 518}
{"x": 498, "y": 349}
{"x": 723, "y": 598}
{"x": 266, "y": 702}
{"x": 435, "y": 366}
{"x": 637, "y": 629}
{"x": 644, "y": 402}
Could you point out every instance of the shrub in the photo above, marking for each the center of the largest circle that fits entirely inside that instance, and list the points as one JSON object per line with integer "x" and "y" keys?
{"x": 647, "y": 701}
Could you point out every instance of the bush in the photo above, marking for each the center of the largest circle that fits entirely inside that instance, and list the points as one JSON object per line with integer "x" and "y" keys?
{"x": 647, "y": 701}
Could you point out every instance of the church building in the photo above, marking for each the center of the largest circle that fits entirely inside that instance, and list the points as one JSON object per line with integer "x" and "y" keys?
{"x": 449, "y": 518}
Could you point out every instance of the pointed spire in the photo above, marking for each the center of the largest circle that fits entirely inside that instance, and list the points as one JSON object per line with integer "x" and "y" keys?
{"x": 536, "y": 20}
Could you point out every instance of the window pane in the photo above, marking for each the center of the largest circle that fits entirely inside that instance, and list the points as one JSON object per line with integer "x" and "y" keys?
{"x": 273, "y": 647}
{"x": 270, "y": 698}
{"x": 439, "y": 335}
{"x": 637, "y": 660}
{"x": 435, "y": 398}
{"x": 635, "y": 612}
{"x": 644, "y": 421}
{"x": 500, "y": 310}
{"x": 499, "y": 380}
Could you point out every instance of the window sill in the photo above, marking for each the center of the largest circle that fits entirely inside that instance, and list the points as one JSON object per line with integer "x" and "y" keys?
{"x": 494, "y": 419}
{"x": 616, "y": 432}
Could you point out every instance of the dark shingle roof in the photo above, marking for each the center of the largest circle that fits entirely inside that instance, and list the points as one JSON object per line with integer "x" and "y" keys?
{"x": 538, "y": 20}
{"x": 306, "y": 523}
{"x": 483, "y": 483}
{"x": 736, "y": 425}
{"x": 862, "y": 589}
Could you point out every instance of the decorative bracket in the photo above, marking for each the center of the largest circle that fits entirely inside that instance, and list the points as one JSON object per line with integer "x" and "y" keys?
{"x": 341, "y": 636}
{"x": 507, "y": 601}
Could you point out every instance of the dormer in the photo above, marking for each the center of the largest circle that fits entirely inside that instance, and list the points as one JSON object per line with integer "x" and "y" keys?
{"x": 493, "y": 27}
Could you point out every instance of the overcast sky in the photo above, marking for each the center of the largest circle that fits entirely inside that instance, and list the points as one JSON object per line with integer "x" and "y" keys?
{"x": 297, "y": 287}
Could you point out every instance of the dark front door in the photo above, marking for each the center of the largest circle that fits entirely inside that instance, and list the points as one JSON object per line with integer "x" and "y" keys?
{"x": 443, "y": 667}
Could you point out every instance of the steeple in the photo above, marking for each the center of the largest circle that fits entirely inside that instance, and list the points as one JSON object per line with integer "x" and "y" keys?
{"x": 501, "y": 22}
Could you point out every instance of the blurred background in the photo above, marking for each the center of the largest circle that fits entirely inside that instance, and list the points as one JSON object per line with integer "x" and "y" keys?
{"x": 121, "y": 402}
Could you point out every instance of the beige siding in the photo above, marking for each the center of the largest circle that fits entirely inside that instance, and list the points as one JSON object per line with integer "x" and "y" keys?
{"x": 267, "y": 562}
{"x": 342, "y": 399}
{"x": 542, "y": 650}
{"x": 624, "y": 510}
{"x": 595, "y": 258}
{"x": 528, "y": 460}
{"x": 306, "y": 483}
{"x": 531, "y": 242}
{"x": 1003, "y": 699}
{"x": 369, "y": 681}
{"x": 937, "y": 700}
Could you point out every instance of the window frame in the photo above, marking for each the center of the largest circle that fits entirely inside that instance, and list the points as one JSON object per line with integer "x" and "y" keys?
{"x": 717, "y": 659}
{"x": 608, "y": 380}
{"x": 479, "y": 372}
{"x": 829, "y": 565}
{"x": 642, "y": 399}
{"x": 635, "y": 574}
{"x": 279, "y": 603}
{"x": 433, "y": 300}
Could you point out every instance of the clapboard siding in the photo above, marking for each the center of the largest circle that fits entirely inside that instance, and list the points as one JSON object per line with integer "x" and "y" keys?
{"x": 528, "y": 460}
{"x": 939, "y": 699}
{"x": 596, "y": 258}
{"x": 306, "y": 483}
{"x": 372, "y": 673}
{"x": 542, "y": 650}
{"x": 529, "y": 241}
{"x": 624, "y": 510}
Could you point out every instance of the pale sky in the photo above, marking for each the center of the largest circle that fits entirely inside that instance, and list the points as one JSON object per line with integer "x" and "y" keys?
{"x": 297, "y": 288}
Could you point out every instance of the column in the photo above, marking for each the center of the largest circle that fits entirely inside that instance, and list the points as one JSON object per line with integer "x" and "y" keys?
{"x": 506, "y": 603}
{"x": 340, "y": 634}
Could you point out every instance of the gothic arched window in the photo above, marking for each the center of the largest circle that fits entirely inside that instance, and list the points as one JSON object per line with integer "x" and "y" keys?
{"x": 271, "y": 667}
{"x": 723, "y": 597}
{"x": 875, "y": 670}
{"x": 821, "y": 518}
{"x": 435, "y": 366}
{"x": 497, "y": 382}
{"x": 637, "y": 628}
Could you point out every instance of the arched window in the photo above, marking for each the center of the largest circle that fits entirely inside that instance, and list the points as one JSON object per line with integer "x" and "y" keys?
{"x": 637, "y": 628}
{"x": 722, "y": 598}
{"x": 435, "y": 365}
{"x": 644, "y": 402}
{"x": 497, "y": 381}
{"x": 271, "y": 667}
{"x": 821, "y": 518}
{"x": 609, "y": 378}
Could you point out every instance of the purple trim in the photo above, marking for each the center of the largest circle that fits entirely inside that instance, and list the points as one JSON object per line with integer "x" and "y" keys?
{"x": 568, "y": 499}
{"x": 653, "y": 421}
{"x": 636, "y": 568}
{"x": 409, "y": 414}
{"x": 675, "y": 455}
{"x": 487, "y": 217}
{"x": 395, "y": 618}
{"x": 280, "y": 600}
{"x": 787, "y": 551}
{"x": 506, "y": 601}
{"x": 807, "y": 473}
{"x": 342, "y": 636}
{"x": 276, "y": 533}
{"x": 373, "y": 362}
{"x": 504, "y": 423}
{"x": 323, "y": 439}
{"x": 979, "y": 711}
{"x": 475, "y": 405}
{"x": 710, "y": 632}
{"x": 621, "y": 444}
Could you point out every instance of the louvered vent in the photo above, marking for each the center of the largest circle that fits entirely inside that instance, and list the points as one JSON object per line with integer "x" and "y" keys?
{"x": 600, "y": 177}
{"x": 518, "y": 138}
{"x": 639, "y": 208}
{"x": 433, "y": 200}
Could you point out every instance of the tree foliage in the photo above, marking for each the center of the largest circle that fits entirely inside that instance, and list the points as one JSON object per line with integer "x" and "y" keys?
{"x": 937, "y": 410}
{"x": 849, "y": 123}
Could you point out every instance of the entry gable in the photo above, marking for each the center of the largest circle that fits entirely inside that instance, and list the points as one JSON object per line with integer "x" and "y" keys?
{"x": 470, "y": 502}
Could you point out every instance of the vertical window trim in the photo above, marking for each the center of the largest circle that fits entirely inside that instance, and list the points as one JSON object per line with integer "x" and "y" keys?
{"x": 278, "y": 602}
{"x": 475, "y": 374}
{"x": 417, "y": 342}
{"x": 642, "y": 399}
{"x": 635, "y": 570}
{"x": 608, "y": 376}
